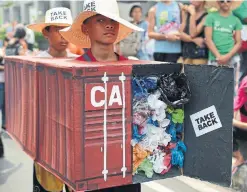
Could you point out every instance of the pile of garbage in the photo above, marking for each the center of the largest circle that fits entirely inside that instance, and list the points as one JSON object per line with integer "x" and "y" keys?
{"x": 158, "y": 116}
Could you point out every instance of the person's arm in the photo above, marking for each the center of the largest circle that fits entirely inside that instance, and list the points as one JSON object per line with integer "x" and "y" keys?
{"x": 210, "y": 43}
{"x": 185, "y": 37}
{"x": 151, "y": 20}
{"x": 237, "y": 45}
{"x": 237, "y": 36}
{"x": 154, "y": 35}
{"x": 238, "y": 40}
{"x": 196, "y": 29}
{"x": 208, "y": 35}
{"x": 237, "y": 123}
{"x": 184, "y": 16}
{"x": 199, "y": 41}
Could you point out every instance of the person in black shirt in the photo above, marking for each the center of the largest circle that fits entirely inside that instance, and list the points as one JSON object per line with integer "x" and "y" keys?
{"x": 194, "y": 50}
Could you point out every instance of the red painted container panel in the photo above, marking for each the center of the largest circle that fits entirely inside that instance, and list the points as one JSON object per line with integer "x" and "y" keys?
{"x": 21, "y": 103}
{"x": 66, "y": 108}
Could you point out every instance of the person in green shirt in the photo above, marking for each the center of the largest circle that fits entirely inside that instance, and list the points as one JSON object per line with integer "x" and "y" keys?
{"x": 223, "y": 34}
{"x": 241, "y": 12}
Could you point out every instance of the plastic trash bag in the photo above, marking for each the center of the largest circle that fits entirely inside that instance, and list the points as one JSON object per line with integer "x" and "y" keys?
{"x": 174, "y": 89}
{"x": 147, "y": 167}
{"x": 178, "y": 154}
{"x": 143, "y": 86}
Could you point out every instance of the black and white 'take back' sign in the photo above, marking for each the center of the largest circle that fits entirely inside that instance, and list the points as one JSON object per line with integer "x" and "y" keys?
{"x": 205, "y": 121}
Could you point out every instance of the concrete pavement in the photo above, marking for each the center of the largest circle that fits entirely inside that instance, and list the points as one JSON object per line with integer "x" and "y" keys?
{"x": 16, "y": 175}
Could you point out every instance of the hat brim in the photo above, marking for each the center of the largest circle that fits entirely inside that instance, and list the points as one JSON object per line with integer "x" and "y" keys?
{"x": 74, "y": 34}
{"x": 38, "y": 27}
{"x": 214, "y": 4}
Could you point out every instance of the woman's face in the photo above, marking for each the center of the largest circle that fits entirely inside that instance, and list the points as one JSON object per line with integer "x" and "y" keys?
{"x": 137, "y": 14}
{"x": 197, "y": 3}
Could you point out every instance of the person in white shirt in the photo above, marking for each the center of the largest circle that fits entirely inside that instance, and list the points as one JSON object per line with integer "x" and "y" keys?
{"x": 30, "y": 39}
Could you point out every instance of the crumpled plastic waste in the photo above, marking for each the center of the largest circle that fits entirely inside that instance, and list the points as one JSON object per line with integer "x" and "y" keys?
{"x": 157, "y": 136}
{"x": 158, "y": 123}
{"x": 139, "y": 154}
{"x": 158, "y": 108}
{"x": 158, "y": 162}
{"x": 140, "y": 118}
{"x": 144, "y": 144}
{"x": 141, "y": 86}
{"x": 169, "y": 109}
{"x": 152, "y": 122}
{"x": 147, "y": 167}
{"x": 138, "y": 135}
{"x": 172, "y": 131}
{"x": 175, "y": 126}
{"x": 178, "y": 154}
{"x": 174, "y": 89}
{"x": 179, "y": 128}
{"x": 178, "y": 116}
{"x": 141, "y": 105}
{"x": 167, "y": 163}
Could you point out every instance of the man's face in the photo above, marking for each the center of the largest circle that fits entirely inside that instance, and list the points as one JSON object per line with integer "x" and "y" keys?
{"x": 55, "y": 38}
{"x": 101, "y": 29}
{"x": 137, "y": 14}
{"x": 225, "y": 5}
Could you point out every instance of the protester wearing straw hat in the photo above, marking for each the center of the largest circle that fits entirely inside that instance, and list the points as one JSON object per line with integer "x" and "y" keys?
{"x": 78, "y": 35}
{"x": 55, "y": 20}
{"x": 98, "y": 28}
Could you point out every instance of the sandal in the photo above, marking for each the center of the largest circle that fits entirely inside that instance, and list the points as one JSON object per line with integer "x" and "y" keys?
{"x": 235, "y": 168}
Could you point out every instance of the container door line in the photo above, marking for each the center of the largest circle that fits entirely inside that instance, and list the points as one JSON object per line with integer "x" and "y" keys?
{"x": 105, "y": 171}
{"x": 122, "y": 78}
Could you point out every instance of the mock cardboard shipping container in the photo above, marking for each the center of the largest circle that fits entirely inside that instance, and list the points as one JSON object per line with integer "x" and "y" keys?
{"x": 75, "y": 119}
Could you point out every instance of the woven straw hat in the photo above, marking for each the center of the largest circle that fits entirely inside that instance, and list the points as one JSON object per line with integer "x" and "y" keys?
{"x": 107, "y": 8}
{"x": 59, "y": 16}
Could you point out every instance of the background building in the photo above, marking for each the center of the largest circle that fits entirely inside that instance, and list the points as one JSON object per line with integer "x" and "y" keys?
{"x": 32, "y": 11}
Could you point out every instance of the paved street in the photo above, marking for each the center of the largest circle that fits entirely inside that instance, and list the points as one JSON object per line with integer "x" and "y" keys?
{"x": 16, "y": 175}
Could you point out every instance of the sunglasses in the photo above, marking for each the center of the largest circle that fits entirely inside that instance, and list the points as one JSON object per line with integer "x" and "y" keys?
{"x": 225, "y": 1}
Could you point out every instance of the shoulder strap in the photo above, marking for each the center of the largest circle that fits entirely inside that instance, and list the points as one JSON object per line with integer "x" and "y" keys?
{"x": 202, "y": 16}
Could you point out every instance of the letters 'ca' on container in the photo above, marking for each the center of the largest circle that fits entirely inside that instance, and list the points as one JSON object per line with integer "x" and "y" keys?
{"x": 58, "y": 109}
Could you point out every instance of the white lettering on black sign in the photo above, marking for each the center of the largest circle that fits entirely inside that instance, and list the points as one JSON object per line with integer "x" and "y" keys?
{"x": 59, "y": 15}
{"x": 205, "y": 121}
{"x": 90, "y": 6}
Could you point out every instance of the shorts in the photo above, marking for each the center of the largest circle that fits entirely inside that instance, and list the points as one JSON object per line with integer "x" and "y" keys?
{"x": 37, "y": 187}
{"x": 238, "y": 134}
{"x": 167, "y": 57}
{"x": 192, "y": 61}
{"x": 233, "y": 63}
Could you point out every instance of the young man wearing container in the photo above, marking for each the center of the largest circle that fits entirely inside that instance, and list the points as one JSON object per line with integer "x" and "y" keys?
{"x": 98, "y": 28}
{"x": 55, "y": 20}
